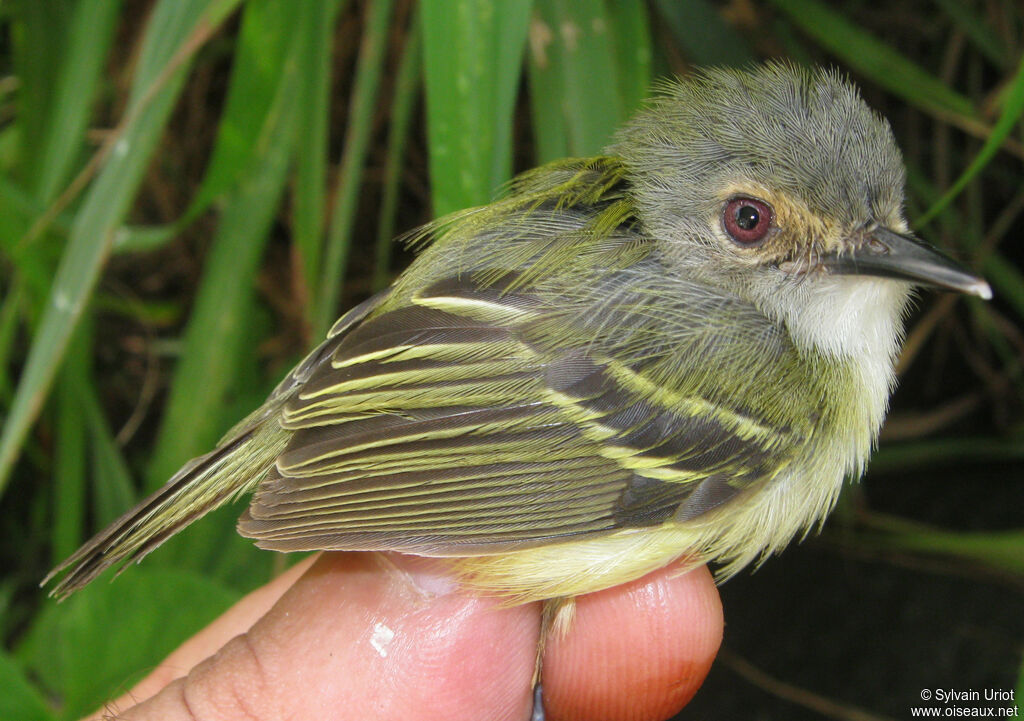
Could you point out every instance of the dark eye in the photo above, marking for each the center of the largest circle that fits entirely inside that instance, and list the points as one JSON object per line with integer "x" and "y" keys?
{"x": 747, "y": 221}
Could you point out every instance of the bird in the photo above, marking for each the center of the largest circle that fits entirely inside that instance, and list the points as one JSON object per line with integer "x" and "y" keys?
{"x": 679, "y": 349}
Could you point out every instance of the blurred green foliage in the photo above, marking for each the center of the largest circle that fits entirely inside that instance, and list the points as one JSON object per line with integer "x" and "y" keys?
{"x": 192, "y": 190}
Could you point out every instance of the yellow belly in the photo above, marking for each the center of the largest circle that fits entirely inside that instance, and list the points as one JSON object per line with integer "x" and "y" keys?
{"x": 576, "y": 567}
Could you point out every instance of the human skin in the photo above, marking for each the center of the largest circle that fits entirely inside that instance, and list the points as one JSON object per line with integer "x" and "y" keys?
{"x": 386, "y": 636}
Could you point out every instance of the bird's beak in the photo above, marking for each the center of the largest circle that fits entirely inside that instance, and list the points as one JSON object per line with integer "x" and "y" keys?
{"x": 889, "y": 254}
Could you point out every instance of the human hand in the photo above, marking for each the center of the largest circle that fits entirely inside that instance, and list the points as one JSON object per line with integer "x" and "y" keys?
{"x": 386, "y": 636}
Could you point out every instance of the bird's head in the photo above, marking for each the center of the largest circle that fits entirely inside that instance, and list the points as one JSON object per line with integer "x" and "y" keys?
{"x": 781, "y": 185}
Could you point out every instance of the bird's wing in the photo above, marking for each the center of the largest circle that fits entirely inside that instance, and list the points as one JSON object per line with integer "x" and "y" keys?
{"x": 440, "y": 427}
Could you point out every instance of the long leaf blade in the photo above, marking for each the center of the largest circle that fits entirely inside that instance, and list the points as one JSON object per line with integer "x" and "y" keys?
{"x": 192, "y": 421}
{"x": 343, "y": 207}
{"x": 157, "y": 84}
{"x": 875, "y": 59}
{"x": 472, "y": 53}
{"x": 310, "y": 190}
{"x": 90, "y": 34}
{"x": 1013, "y": 108}
{"x": 577, "y": 48}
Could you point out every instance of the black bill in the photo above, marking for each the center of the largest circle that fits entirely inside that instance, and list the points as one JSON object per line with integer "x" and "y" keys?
{"x": 893, "y": 255}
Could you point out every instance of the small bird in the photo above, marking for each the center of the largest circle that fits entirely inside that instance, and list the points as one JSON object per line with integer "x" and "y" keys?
{"x": 677, "y": 349}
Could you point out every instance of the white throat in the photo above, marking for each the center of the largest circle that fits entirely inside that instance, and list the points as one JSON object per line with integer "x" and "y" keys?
{"x": 848, "y": 317}
{"x": 855, "y": 319}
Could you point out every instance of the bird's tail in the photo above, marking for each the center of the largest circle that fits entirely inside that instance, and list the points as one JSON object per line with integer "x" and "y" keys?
{"x": 236, "y": 466}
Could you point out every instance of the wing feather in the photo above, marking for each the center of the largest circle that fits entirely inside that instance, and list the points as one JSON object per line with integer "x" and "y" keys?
{"x": 448, "y": 426}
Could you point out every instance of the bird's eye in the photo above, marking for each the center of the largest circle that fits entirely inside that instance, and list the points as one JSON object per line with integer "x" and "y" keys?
{"x": 747, "y": 221}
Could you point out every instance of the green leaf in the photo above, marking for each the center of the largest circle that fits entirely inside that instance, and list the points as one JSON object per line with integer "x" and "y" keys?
{"x": 113, "y": 490}
{"x": 631, "y": 37}
{"x": 19, "y": 699}
{"x": 9, "y": 314}
{"x": 82, "y": 66}
{"x": 350, "y": 178}
{"x": 472, "y": 56}
{"x": 1007, "y": 281}
{"x": 36, "y": 25}
{"x": 1013, "y": 107}
{"x": 874, "y": 59}
{"x": 1001, "y": 550}
{"x": 981, "y": 33}
{"x": 107, "y": 636}
{"x": 407, "y": 83}
{"x": 310, "y": 188}
{"x": 264, "y": 40}
{"x": 141, "y": 239}
{"x": 939, "y": 451}
{"x": 574, "y": 78}
{"x": 17, "y": 211}
{"x": 171, "y": 40}
{"x": 69, "y": 467}
{"x": 80, "y": 419}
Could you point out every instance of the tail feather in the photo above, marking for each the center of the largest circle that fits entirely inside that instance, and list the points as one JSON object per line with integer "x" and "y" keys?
{"x": 203, "y": 484}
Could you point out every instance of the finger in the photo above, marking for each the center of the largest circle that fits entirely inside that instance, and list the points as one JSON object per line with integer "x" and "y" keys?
{"x": 638, "y": 651}
{"x": 366, "y": 636}
{"x": 237, "y": 619}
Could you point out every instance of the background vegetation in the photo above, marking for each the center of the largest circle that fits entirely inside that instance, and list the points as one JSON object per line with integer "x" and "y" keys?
{"x": 192, "y": 190}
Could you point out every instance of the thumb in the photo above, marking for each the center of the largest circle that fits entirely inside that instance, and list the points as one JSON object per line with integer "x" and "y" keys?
{"x": 364, "y": 635}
